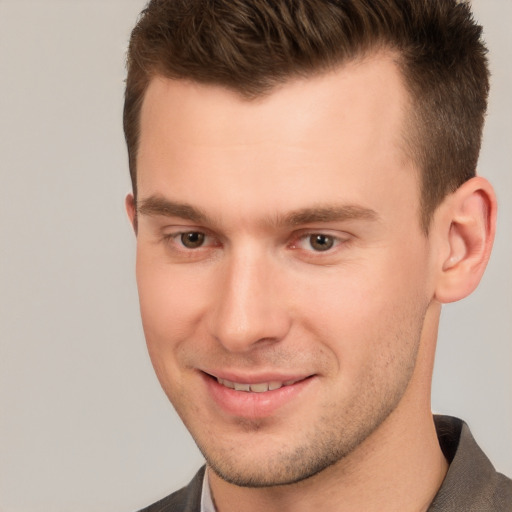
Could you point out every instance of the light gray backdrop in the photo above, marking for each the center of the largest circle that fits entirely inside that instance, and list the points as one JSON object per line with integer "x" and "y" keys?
{"x": 84, "y": 426}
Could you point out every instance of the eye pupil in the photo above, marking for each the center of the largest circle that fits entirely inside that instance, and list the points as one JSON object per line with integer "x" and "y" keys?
{"x": 321, "y": 242}
{"x": 192, "y": 240}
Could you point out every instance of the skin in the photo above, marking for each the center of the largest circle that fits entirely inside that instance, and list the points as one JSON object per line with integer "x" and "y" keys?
{"x": 258, "y": 297}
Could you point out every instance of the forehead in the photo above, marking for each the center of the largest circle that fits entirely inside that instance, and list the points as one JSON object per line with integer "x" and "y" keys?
{"x": 374, "y": 81}
{"x": 331, "y": 134}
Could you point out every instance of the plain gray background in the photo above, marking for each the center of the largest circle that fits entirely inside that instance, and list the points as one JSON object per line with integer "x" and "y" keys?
{"x": 84, "y": 426}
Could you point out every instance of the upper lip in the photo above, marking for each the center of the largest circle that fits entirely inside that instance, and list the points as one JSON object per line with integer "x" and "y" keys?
{"x": 256, "y": 378}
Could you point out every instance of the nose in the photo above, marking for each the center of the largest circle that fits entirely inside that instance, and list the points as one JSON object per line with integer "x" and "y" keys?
{"x": 250, "y": 309}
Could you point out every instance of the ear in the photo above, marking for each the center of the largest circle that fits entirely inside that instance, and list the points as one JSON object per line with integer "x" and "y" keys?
{"x": 468, "y": 225}
{"x": 131, "y": 210}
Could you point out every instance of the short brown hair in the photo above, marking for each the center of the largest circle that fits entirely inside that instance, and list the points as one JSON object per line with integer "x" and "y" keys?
{"x": 250, "y": 46}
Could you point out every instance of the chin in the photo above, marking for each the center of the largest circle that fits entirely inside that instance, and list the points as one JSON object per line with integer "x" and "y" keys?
{"x": 275, "y": 466}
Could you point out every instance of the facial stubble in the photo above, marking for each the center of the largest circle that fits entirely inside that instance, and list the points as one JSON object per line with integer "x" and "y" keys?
{"x": 333, "y": 439}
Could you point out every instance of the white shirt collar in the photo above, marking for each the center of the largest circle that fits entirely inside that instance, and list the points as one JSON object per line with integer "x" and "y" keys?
{"x": 206, "y": 496}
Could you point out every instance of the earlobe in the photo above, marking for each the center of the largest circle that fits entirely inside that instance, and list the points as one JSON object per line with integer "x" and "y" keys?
{"x": 131, "y": 210}
{"x": 470, "y": 214}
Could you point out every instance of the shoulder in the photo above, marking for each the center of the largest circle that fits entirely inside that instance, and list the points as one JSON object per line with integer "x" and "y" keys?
{"x": 472, "y": 483}
{"x": 187, "y": 499}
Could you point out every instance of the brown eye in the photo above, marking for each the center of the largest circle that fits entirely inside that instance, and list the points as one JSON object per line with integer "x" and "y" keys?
{"x": 192, "y": 240}
{"x": 321, "y": 242}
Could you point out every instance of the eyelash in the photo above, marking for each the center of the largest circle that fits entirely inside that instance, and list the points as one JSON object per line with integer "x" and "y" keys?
{"x": 176, "y": 240}
{"x": 308, "y": 239}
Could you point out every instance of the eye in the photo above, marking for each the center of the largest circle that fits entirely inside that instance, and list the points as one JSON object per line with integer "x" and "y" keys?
{"x": 193, "y": 239}
{"x": 320, "y": 242}
{"x": 185, "y": 243}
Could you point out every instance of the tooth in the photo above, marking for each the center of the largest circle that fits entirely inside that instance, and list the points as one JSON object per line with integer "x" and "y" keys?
{"x": 226, "y": 383}
{"x": 259, "y": 388}
{"x": 255, "y": 388}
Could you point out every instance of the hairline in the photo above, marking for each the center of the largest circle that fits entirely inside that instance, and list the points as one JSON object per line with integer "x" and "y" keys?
{"x": 409, "y": 139}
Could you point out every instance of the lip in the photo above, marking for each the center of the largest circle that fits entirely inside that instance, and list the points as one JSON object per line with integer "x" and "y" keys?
{"x": 253, "y": 405}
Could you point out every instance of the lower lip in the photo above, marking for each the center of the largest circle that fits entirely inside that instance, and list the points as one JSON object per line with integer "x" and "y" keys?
{"x": 253, "y": 405}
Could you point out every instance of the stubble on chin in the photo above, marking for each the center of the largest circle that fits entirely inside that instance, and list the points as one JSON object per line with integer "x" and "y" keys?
{"x": 287, "y": 465}
{"x": 290, "y": 461}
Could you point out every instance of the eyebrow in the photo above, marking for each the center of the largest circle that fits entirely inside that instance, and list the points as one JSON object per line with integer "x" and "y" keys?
{"x": 160, "y": 206}
{"x": 328, "y": 213}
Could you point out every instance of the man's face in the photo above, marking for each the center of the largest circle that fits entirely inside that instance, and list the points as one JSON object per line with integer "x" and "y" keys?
{"x": 279, "y": 253}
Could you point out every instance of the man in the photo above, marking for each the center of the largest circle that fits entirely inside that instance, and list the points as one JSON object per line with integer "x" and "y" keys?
{"x": 304, "y": 200}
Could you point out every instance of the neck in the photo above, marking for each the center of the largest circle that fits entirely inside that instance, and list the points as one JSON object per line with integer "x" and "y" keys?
{"x": 399, "y": 467}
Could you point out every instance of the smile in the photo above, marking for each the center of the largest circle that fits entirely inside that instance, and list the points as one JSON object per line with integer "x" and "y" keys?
{"x": 260, "y": 387}
{"x": 255, "y": 396}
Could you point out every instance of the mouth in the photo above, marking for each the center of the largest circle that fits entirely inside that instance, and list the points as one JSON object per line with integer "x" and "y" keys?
{"x": 260, "y": 387}
{"x": 257, "y": 396}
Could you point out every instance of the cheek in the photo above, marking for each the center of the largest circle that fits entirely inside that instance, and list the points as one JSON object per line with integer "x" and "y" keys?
{"x": 169, "y": 303}
{"x": 369, "y": 311}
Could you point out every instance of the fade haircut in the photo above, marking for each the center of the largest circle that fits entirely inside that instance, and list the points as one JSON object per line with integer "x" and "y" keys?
{"x": 251, "y": 46}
